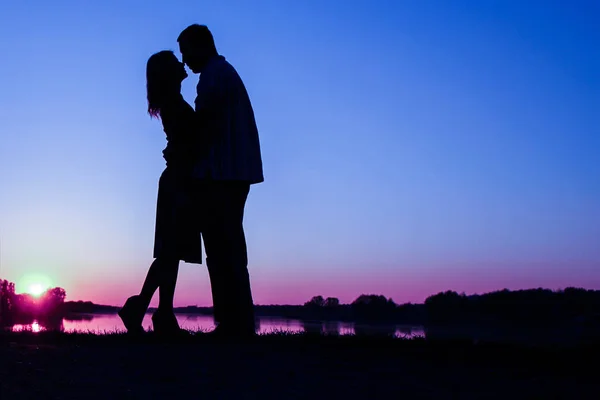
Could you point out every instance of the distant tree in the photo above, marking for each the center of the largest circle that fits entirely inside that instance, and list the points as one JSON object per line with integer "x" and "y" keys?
{"x": 49, "y": 304}
{"x": 24, "y": 305}
{"x": 373, "y": 307}
{"x": 541, "y": 307}
{"x": 7, "y": 295}
{"x": 332, "y": 302}
{"x": 56, "y": 295}
{"x": 375, "y": 301}
{"x": 447, "y": 301}
{"x": 316, "y": 301}
{"x": 52, "y": 300}
{"x": 446, "y": 306}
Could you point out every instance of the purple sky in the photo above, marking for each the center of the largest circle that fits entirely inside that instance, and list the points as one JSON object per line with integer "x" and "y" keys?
{"x": 409, "y": 146}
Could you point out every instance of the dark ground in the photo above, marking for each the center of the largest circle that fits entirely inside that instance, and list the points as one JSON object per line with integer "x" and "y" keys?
{"x": 79, "y": 366}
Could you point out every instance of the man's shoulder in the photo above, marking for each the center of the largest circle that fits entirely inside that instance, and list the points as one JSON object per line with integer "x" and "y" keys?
{"x": 225, "y": 72}
{"x": 217, "y": 65}
{"x": 217, "y": 69}
{"x": 220, "y": 62}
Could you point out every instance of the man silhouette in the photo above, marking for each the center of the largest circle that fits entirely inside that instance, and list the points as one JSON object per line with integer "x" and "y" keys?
{"x": 230, "y": 163}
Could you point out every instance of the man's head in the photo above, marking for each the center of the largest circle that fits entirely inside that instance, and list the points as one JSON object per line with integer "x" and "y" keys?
{"x": 197, "y": 46}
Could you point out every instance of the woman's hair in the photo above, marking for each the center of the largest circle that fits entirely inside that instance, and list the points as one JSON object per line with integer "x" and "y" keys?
{"x": 160, "y": 71}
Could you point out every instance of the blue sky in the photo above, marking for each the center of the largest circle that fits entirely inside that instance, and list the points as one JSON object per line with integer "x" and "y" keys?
{"x": 409, "y": 146}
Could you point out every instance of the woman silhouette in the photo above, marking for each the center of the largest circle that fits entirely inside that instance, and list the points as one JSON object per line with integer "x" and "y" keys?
{"x": 177, "y": 233}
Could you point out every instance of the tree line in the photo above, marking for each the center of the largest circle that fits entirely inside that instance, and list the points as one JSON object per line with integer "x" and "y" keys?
{"x": 24, "y": 308}
{"x": 531, "y": 306}
{"x": 526, "y": 307}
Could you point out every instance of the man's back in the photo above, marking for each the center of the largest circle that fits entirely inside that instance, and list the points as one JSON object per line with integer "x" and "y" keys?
{"x": 235, "y": 149}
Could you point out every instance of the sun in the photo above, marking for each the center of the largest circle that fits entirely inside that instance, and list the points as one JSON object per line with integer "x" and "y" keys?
{"x": 34, "y": 284}
{"x": 36, "y": 290}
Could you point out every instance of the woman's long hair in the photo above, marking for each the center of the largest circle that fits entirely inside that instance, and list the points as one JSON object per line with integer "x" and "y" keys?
{"x": 160, "y": 81}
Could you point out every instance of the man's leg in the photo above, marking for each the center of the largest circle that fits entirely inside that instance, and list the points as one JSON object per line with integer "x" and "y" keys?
{"x": 209, "y": 219}
{"x": 216, "y": 289}
{"x": 226, "y": 253}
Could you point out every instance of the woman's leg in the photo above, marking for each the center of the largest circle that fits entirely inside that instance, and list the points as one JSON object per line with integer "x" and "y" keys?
{"x": 168, "y": 281}
{"x": 162, "y": 275}
{"x": 132, "y": 313}
{"x": 152, "y": 282}
{"x": 164, "y": 320}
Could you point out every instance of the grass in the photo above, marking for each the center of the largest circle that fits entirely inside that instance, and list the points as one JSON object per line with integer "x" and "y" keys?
{"x": 291, "y": 339}
{"x": 293, "y": 365}
{"x": 568, "y": 358}
{"x": 195, "y": 336}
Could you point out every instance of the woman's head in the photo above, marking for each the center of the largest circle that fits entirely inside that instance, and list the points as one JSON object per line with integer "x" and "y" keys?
{"x": 164, "y": 73}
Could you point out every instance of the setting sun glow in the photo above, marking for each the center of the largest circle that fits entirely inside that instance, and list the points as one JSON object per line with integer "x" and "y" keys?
{"x": 34, "y": 284}
{"x": 36, "y": 289}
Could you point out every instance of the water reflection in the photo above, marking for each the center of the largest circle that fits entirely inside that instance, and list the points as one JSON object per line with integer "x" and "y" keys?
{"x": 330, "y": 328}
{"x": 79, "y": 317}
{"x": 312, "y": 327}
{"x": 110, "y": 323}
{"x": 37, "y": 326}
{"x": 376, "y": 330}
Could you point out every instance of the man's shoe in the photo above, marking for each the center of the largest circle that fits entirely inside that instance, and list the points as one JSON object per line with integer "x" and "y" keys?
{"x": 165, "y": 324}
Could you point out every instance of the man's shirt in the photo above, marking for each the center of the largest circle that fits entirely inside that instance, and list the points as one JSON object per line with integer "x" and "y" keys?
{"x": 227, "y": 117}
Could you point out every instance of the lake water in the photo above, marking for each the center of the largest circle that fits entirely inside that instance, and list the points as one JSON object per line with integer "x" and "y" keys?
{"x": 110, "y": 323}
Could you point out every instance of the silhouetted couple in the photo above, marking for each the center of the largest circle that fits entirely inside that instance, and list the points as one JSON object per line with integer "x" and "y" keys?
{"x": 212, "y": 157}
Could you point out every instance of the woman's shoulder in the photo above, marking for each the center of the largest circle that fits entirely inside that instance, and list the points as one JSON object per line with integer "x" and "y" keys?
{"x": 185, "y": 108}
{"x": 177, "y": 116}
{"x": 176, "y": 110}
